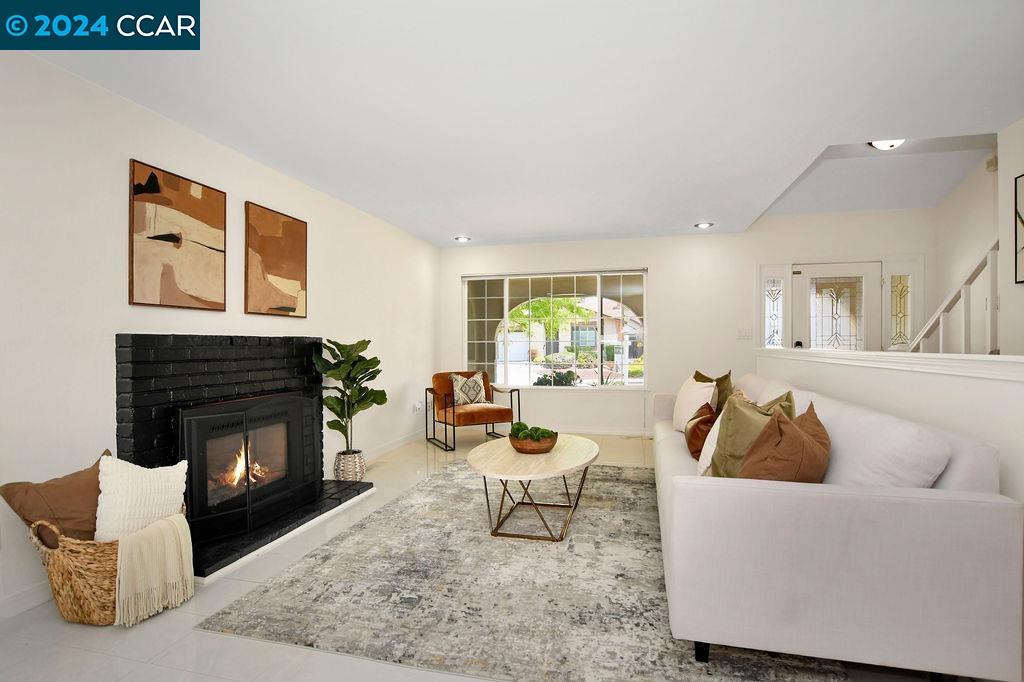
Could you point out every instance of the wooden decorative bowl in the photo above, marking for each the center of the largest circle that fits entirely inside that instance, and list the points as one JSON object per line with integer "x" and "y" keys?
{"x": 533, "y": 447}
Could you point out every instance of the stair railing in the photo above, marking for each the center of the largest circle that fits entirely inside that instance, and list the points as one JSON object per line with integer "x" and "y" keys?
{"x": 962, "y": 295}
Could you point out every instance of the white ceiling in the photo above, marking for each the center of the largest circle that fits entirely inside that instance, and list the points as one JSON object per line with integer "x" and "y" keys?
{"x": 857, "y": 177}
{"x": 533, "y": 120}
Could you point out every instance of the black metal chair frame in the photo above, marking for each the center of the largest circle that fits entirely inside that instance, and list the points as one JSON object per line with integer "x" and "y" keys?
{"x": 430, "y": 413}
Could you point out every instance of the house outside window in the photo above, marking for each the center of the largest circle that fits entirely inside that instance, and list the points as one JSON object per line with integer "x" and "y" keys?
{"x": 568, "y": 330}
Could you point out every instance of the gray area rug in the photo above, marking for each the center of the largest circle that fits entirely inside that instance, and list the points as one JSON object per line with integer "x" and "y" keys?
{"x": 421, "y": 582}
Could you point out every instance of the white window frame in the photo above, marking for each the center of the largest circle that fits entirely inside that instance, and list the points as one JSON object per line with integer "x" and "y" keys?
{"x": 907, "y": 264}
{"x": 560, "y": 273}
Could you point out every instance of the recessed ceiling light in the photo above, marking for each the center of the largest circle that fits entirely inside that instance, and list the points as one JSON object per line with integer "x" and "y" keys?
{"x": 703, "y": 226}
{"x": 886, "y": 145}
{"x": 462, "y": 239}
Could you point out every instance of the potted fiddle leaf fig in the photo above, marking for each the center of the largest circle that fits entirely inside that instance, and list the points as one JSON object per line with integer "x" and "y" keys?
{"x": 350, "y": 371}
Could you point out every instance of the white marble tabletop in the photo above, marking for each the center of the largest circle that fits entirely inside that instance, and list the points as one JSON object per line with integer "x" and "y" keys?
{"x": 497, "y": 459}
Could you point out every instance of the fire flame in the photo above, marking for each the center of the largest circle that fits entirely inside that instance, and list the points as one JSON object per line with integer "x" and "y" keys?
{"x": 236, "y": 474}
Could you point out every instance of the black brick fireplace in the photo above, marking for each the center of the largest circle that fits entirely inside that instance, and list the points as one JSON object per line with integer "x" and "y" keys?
{"x": 246, "y": 413}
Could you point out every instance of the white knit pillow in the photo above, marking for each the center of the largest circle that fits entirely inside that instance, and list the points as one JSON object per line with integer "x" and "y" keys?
{"x": 691, "y": 396}
{"x": 132, "y": 497}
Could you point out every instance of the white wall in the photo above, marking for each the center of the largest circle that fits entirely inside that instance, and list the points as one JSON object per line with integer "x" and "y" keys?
{"x": 63, "y": 259}
{"x": 965, "y": 225}
{"x": 1011, "y": 295}
{"x": 700, "y": 292}
{"x": 985, "y": 408}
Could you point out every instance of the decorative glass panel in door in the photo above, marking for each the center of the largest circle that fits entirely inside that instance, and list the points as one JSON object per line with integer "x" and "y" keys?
{"x": 841, "y": 306}
{"x": 837, "y": 315}
{"x": 899, "y": 311}
{"x": 773, "y": 316}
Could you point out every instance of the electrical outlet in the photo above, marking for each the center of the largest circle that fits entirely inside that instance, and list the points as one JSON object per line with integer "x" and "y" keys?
{"x": 417, "y": 406}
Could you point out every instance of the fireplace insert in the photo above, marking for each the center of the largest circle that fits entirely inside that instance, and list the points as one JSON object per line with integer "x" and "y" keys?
{"x": 250, "y": 462}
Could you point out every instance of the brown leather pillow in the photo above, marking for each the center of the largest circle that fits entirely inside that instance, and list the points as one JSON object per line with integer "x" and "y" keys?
{"x": 785, "y": 450}
{"x": 698, "y": 428}
{"x": 68, "y": 502}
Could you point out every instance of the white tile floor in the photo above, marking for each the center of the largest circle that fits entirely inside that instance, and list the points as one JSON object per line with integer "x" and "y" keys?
{"x": 38, "y": 645}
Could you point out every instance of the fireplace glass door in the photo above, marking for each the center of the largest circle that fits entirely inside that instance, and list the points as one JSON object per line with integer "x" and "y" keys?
{"x": 247, "y": 462}
{"x": 262, "y": 452}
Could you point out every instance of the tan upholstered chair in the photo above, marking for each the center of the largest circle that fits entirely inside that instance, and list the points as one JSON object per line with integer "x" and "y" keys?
{"x": 439, "y": 400}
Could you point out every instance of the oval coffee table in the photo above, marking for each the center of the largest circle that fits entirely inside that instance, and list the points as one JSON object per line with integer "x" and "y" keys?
{"x": 497, "y": 459}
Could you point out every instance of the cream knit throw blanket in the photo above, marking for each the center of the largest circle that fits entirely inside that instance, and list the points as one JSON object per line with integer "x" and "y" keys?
{"x": 154, "y": 570}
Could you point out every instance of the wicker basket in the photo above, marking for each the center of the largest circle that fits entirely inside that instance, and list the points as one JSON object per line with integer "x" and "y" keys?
{"x": 83, "y": 576}
{"x": 350, "y": 466}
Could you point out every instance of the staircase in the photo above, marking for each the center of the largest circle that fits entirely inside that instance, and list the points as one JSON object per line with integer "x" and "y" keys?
{"x": 962, "y": 295}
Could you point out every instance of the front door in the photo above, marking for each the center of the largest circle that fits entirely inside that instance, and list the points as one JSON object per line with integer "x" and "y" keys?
{"x": 837, "y": 306}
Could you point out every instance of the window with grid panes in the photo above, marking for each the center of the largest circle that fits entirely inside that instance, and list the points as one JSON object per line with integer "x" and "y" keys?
{"x": 578, "y": 329}
{"x": 485, "y": 302}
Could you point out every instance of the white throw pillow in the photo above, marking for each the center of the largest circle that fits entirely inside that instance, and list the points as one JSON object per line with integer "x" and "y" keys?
{"x": 771, "y": 389}
{"x": 753, "y": 385}
{"x": 132, "y": 497}
{"x": 704, "y": 463}
{"x": 871, "y": 448}
{"x": 691, "y": 396}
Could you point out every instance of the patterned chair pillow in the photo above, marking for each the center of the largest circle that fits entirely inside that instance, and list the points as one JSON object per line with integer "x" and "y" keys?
{"x": 469, "y": 391}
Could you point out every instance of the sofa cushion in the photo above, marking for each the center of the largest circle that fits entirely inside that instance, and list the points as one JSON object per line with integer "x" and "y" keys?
{"x": 771, "y": 388}
{"x": 795, "y": 451}
{"x": 477, "y": 414}
{"x": 753, "y": 385}
{"x": 871, "y": 448}
{"x": 691, "y": 396}
{"x": 671, "y": 459}
{"x": 742, "y": 422}
{"x": 973, "y": 465}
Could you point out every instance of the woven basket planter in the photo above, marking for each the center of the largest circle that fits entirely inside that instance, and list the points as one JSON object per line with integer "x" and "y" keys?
{"x": 83, "y": 576}
{"x": 350, "y": 466}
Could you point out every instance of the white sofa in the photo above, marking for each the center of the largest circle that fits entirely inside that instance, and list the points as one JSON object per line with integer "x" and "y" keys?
{"x": 924, "y": 579}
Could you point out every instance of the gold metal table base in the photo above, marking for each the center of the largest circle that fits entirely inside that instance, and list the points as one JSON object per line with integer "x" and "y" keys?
{"x": 526, "y": 500}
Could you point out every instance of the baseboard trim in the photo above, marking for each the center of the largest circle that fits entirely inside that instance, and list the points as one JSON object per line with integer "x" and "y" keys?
{"x": 376, "y": 451}
{"x": 418, "y": 435}
{"x": 394, "y": 444}
{"x": 625, "y": 433}
{"x": 26, "y": 599}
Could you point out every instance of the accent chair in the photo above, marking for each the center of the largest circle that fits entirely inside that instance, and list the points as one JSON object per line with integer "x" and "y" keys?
{"x": 439, "y": 400}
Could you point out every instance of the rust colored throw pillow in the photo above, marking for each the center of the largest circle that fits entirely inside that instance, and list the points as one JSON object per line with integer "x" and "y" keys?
{"x": 795, "y": 451}
{"x": 68, "y": 502}
{"x": 741, "y": 423}
{"x": 698, "y": 428}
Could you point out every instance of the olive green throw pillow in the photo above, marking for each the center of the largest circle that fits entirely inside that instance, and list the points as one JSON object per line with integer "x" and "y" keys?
{"x": 723, "y": 385}
{"x": 742, "y": 423}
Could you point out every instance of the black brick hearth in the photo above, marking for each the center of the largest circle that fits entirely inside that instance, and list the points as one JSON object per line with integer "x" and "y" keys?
{"x": 158, "y": 374}
{"x": 211, "y": 557}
